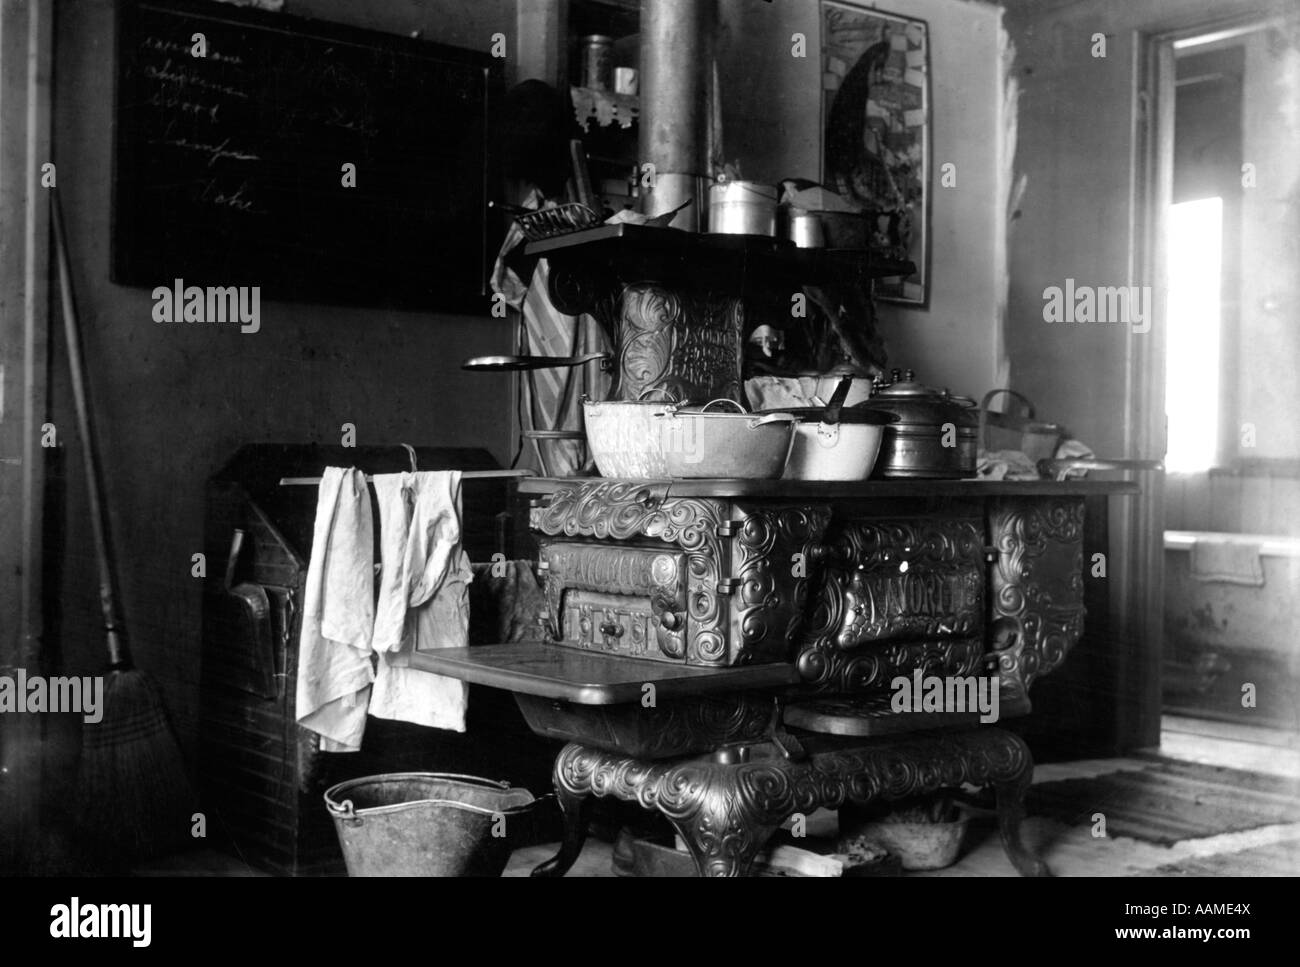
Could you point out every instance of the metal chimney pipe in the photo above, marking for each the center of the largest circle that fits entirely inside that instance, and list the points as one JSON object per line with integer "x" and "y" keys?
{"x": 543, "y": 50}
{"x": 676, "y": 42}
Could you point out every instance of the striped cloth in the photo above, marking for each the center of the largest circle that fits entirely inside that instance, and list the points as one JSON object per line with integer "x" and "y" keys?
{"x": 551, "y": 399}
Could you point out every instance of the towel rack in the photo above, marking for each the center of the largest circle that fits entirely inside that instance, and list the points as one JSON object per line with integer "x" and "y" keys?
{"x": 410, "y": 451}
{"x": 465, "y": 475}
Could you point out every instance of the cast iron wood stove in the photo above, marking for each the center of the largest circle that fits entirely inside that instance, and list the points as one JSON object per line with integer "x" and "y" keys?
{"x": 722, "y": 651}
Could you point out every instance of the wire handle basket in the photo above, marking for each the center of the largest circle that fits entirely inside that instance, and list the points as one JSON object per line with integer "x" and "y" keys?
{"x": 560, "y": 220}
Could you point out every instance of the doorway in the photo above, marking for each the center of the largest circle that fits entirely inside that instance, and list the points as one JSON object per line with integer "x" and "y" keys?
{"x": 1226, "y": 214}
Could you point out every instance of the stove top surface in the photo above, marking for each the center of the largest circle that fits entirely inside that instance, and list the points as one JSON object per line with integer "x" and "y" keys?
{"x": 837, "y": 489}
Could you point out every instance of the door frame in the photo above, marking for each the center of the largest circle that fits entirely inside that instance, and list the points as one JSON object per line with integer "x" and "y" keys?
{"x": 1141, "y": 603}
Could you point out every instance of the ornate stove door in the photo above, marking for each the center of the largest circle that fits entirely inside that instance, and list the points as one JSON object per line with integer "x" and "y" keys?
{"x": 900, "y": 593}
{"x": 627, "y": 601}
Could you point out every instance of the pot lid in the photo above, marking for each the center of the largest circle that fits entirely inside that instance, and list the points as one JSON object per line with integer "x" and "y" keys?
{"x": 905, "y": 384}
{"x": 914, "y": 402}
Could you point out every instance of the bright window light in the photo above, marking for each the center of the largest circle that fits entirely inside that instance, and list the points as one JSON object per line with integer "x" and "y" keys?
{"x": 1192, "y": 351}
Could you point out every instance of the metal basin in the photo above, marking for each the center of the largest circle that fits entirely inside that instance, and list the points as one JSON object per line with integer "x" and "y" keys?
{"x": 425, "y": 824}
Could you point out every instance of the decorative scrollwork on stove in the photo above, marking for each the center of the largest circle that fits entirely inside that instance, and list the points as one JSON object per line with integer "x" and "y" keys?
{"x": 573, "y": 290}
{"x": 705, "y": 723}
{"x": 726, "y": 812}
{"x": 886, "y": 543}
{"x": 622, "y": 510}
{"x": 683, "y": 342}
{"x": 649, "y": 316}
{"x": 912, "y": 578}
{"x": 1036, "y": 588}
{"x": 828, "y": 668}
{"x": 775, "y": 555}
{"x": 650, "y": 582}
{"x": 616, "y": 570}
{"x": 896, "y": 595}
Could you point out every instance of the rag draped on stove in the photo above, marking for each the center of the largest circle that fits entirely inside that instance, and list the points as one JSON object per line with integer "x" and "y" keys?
{"x": 551, "y": 399}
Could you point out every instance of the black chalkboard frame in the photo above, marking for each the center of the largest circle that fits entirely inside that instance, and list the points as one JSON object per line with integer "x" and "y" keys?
{"x": 132, "y": 263}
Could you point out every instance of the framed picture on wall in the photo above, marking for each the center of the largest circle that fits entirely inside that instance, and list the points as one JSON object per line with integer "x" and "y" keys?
{"x": 876, "y": 132}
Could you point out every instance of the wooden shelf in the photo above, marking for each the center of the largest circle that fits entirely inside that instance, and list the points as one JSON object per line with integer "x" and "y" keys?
{"x": 632, "y": 249}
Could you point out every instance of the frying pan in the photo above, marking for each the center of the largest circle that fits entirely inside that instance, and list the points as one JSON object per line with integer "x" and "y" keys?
{"x": 502, "y": 364}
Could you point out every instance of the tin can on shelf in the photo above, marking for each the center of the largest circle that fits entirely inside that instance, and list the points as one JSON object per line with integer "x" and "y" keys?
{"x": 742, "y": 208}
{"x": 625, "y": 80}
{"x": 598, "y": 62}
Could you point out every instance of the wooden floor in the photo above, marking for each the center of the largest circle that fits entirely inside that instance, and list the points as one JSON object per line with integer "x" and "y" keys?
{"x": 1268, "y": 850}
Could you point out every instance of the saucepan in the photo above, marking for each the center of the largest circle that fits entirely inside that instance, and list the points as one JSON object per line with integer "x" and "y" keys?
{"x": 835, "y": 442}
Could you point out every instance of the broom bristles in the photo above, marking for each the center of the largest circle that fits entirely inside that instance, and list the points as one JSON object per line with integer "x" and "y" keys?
{"x": 134, "y": 797}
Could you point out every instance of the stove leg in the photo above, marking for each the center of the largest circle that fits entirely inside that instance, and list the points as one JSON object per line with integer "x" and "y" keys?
{"x": 1011, "y": 811}
{"x": 725, "y": 833}
{"x": 575, "y": 807}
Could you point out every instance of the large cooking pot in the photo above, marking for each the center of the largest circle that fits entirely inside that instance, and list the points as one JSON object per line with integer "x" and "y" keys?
{"x": 935, "y": 434}
{"x": 697, "y": 443}
{"x": 653, "y": 439}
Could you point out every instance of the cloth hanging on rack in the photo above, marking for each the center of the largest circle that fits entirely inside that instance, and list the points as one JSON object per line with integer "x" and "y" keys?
{"x": 334, "y": 665}
{"x": 552, "y": 398}
{"x": 423, "y": 597}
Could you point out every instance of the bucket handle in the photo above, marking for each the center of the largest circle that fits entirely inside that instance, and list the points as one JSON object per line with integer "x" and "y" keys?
{"x": 641, "y": 397}
{"x": 347, "y": 815}
{"x": 346, "y": 812}
{"x": 1027, "y": 412}
{"x": 757, "y": 421}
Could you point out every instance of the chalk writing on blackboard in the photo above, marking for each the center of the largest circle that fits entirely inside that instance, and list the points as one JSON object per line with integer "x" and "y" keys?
{"x": 227, "y": 166}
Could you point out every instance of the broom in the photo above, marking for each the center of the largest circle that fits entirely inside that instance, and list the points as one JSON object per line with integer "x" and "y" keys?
{"x": 134, "y": 798}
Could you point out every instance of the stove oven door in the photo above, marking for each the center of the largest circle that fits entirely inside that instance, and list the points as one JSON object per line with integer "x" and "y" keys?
{"x": 628, "y": 601}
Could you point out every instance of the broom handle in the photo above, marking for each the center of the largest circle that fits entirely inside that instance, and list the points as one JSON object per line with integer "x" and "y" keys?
{"x": 119, "y": 656}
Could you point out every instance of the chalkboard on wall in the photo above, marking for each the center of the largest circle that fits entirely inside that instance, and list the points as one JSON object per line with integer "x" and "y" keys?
{"x": 322, "y": 163}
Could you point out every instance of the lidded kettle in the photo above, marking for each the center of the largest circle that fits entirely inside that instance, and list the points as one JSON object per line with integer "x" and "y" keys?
{"x": 935, "y": 433}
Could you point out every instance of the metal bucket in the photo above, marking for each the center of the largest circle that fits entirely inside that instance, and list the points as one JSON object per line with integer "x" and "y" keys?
{"x": 426, "y": 824}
